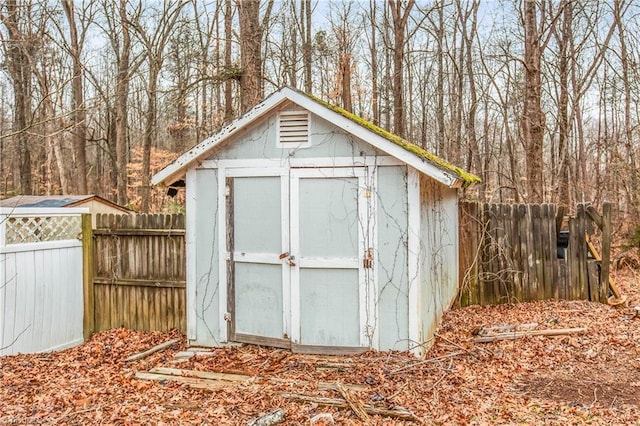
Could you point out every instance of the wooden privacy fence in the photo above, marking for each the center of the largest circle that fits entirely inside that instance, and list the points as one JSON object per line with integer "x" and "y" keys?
{"x": 138, "y": 277}
{"x": 522, "y": 252}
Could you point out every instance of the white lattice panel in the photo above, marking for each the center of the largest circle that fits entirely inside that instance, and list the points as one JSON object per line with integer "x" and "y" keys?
{"x": 34, "y": 229}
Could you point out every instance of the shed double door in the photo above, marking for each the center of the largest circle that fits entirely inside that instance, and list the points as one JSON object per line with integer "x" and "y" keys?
{"x": 297, "y": 246}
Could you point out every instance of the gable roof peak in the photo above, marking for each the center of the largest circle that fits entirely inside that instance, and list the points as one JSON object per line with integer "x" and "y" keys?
{"x": 412, "y": 154}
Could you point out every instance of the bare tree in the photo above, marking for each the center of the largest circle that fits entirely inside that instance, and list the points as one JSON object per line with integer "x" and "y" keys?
{"x": 251, "y": 31}
{"x": 78, "y": 112}
{"x": 400, "y": 12}
{"x": 20, "y": 48}
{"x": 154, "y": 44}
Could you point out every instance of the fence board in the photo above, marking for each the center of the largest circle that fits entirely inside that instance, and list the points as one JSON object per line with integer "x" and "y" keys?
{"x": 518, "y": 255}
{"x": 139, "y": 278}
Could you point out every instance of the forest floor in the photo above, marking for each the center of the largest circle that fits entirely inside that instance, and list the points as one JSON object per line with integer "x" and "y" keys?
{"x": 589, "y": 378}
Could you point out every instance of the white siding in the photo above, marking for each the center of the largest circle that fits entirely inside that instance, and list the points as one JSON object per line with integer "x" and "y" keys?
{"x": 41, "y": 301}
{"x": 439, "y": 252}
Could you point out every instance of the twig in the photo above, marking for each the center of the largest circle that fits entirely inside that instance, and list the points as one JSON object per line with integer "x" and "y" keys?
{"x": 425, "y": 361}
{"x": 443, "y": 376}
{"x": 70, "y": 412}
{"x": 398, "y": 412}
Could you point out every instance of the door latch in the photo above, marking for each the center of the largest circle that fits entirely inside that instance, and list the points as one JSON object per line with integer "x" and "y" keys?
{"x": 367, "y": 262}
{"x": 288, "y": 258}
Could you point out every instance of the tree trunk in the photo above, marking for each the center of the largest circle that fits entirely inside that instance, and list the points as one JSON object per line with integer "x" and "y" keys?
{"x": 77, "y": 100}
{"x": 562, "y": 194}
{"x": 121, "y": 98}
{"x": 399, "y": 17}
{"x": 307, "y": 45}
{"x": 375, "y": 92}
{"x": 19, "y": 52}
{"x": 533, "y": 119}
{"x": 251, "y": 91}
{"x": 228, "y": 84}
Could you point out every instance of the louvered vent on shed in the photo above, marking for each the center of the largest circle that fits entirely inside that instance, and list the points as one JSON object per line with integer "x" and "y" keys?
{"x": 293, "y": 129}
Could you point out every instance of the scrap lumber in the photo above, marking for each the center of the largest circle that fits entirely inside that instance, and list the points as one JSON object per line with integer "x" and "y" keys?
{"x": 241, "y": 378}
{"x": 189, "y": 354}
{"x": 518, "y": 334}
{"x": 397, "y": 412}
{"x": 153, "y": 350}
{"x": 356, "y": 405}
{"x": 507, "y": 328}
{"x": 209, "y": 375}
{"x": 191, "y": 381}
{"x": 596, "y": 256}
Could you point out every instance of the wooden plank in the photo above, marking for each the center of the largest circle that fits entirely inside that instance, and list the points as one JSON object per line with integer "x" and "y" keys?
{"x": 550, "y": 249}
{"x": 594, "y": 215}
{"x": 593, "y": 280}
{"x": 572, "y": 261}
{"x": 241, "y": 378}
{"x": 582, "y": 252}
{"x": 191, "y": 381}
{"x": 606, "y": 255}
{"x": 518, "y": 334}
{"x": 88, "y": 320}
{"x": 611, "y": 284}
{"x": 516, "y": 256}
{"x": 262, "y": 341}
{"x": 231, "y": 274}
{"x": 537, "y": 252}
{"x": 499, "y": 291}
{"x": 208, "y": 375}
{"x": 524, "y": 251}
{"x": 476, "y": 251}
{"x": 553, "y": 247}
{"x": 150, "y": 351}
{"x": 328, "y": 350}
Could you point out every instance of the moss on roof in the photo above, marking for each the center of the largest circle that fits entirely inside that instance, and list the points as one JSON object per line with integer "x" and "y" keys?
{"x": 418, "y": 151}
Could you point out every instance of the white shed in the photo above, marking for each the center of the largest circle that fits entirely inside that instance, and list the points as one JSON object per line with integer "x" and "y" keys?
{"x": 311, "y": 229}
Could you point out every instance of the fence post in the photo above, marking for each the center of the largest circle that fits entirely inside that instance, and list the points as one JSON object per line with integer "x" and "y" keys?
{"x": 87, "y": 275}
{"x": 606, "y": 251}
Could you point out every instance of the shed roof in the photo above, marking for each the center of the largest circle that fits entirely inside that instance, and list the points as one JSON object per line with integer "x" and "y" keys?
{"x": 412, "y": 154}
{"x": 56, "y": 201}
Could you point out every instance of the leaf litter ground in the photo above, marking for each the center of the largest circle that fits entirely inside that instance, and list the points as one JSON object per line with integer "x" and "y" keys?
{"x": 590, "y": 378}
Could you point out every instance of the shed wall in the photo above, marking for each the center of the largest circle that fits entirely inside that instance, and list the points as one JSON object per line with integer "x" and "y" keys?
{"x": 205, "y": 306}
{"x": 393, "y": 291}
{"x": 438, "y": 252}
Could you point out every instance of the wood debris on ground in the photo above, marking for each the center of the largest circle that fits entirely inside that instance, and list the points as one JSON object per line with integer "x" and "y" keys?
{"x": 592, "y": 377}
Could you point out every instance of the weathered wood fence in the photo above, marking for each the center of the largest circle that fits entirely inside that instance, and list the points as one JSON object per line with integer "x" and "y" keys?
{"x": 138, "y": 264}
{"x": 518, "y": 252}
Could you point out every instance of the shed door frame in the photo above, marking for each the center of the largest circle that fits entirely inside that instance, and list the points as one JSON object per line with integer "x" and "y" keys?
{"x": 367, "y": 278}
{"x": 227, "y": 250}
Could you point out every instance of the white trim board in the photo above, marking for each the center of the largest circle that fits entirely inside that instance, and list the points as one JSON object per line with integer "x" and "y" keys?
{"x": 292, "y": 162}
{"x": 413, "y": 260}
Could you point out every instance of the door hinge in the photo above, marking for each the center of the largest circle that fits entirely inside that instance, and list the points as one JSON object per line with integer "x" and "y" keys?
{"x": 367, "y": 262}
{"x": 367, "y": 192}
{"x": 227, "y": 191}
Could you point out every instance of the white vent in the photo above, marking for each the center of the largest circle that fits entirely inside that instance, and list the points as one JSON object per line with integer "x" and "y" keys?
{"x": 293, "y": 129}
